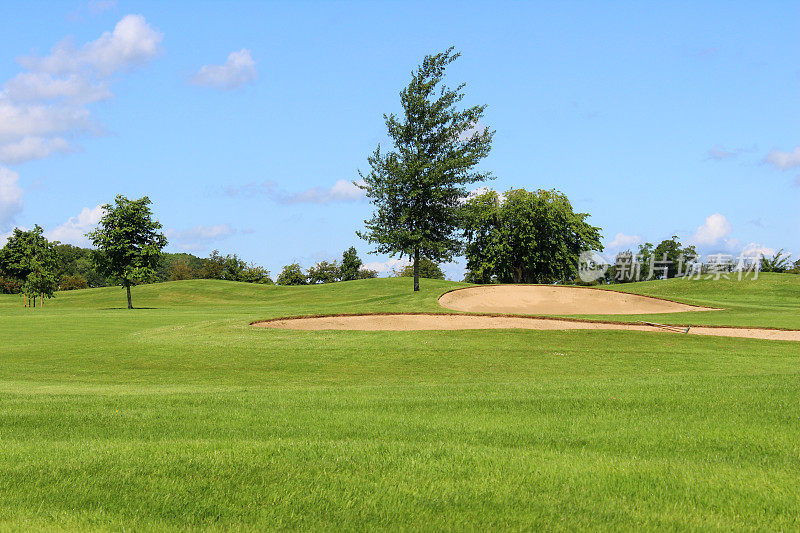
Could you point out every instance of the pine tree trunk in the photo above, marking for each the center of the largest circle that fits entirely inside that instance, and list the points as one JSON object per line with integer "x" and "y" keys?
{"x": 128, "y": 288}
{"x": 416, "y": 269}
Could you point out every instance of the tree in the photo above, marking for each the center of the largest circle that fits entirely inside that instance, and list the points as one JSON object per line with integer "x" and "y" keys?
{"x": 324, "y": 272}
{"x": 214, "y": 267}
{"x": 525, "y": 237}
{"x": 128, "y": 243}
{"x": 779, "y": 262}
{"x": 427, "y": 269}
{"x": 418, "y": 186}
{"x": 669, "y": 259}
{"x": 350, "y": 266}
{"x": 30, "y": 259}
{"x": 291, "y": 275}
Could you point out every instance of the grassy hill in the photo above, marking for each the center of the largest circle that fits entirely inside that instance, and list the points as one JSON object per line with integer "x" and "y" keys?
{"x": 182, "y": 416}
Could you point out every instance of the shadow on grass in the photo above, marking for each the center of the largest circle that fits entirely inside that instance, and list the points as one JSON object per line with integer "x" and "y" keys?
{"x": 125, "y": 308}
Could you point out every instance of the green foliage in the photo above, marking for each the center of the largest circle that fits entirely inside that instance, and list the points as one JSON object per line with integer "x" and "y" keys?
{"x": 30, "y": 260}
{"x": 670, "y": 259}
{"x": 76, "y": 262}
{"x": 128, "y": 242}
{"x": 667, "y": 260}
{"x": 779, "y": 262}
{"x": 528, "y": 237}
{"x": 71, "y": 283}
{"x": 292, "y": 275}
{"x": 350, "y": 266}
{"x": 427, "y": 269}
{"x": 180, "y": 266}
{"x": 253, "y": 273}
{"x": 324, "y": 272}
{"x": 417, "y": 187}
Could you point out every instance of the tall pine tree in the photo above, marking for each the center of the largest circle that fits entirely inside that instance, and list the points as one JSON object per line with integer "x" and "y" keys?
{"x": 417, "y": 188}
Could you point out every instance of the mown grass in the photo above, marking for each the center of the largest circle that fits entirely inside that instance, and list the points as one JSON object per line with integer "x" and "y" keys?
{"x": 182, "y": 416}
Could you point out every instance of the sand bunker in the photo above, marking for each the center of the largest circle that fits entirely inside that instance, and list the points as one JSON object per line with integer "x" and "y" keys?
{"x": 415, "y": 322}
{"x": 555, "y": 300}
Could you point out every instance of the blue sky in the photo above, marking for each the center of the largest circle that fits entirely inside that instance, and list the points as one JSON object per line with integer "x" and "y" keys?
{"x": 245, "y": 122}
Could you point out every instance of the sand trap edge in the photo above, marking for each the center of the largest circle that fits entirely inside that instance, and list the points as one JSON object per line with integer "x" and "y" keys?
{"x": 502, "y": 315}
{"x": 582, "y": 287}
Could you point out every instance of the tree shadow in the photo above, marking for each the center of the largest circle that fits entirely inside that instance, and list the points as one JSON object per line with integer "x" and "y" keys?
{"x": 125, "y": 308}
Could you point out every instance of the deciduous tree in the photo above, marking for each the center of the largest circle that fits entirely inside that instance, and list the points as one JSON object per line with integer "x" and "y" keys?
{"x": 350, "y": 265}
{"x": 291, "y": 275}
{"x": 324, "y": 272}
{"x": 128, "y": 242}
{"x": 525, "y": 237}
{"x": 30, "y": 259}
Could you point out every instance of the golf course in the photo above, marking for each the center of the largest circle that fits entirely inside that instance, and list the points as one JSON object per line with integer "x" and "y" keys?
{"x": 182, "y": 414}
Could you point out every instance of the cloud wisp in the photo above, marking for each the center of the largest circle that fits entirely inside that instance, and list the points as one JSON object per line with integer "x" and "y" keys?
{"x": 198, "y": 237}
{"x": 784, "y": 160}
{"x": 341, "y": 191}
{"x": 239, "y": 69}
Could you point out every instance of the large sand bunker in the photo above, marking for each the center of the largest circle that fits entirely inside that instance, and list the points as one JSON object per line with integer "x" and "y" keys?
{"x": 415, "y": 322}
{"x": 555, "y": 300}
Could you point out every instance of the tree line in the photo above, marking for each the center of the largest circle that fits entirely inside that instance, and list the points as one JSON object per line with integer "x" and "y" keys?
{"x": 423, "y": 211}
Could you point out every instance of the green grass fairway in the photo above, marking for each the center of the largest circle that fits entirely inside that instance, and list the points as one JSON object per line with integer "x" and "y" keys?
{"x": 181, "y": 416}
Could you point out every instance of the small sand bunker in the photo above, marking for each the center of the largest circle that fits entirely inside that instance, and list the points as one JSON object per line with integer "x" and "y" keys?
{"x": 555, "y": 300}
{"x": 417, "y": 322}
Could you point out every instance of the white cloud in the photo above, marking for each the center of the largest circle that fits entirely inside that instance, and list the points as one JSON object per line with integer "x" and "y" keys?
{"x": 198, "y": 237}
{"x": 133, "y": 42}
{"x": 74, "y": 230}
{"x": 41, "y": 107}
{"x": 20, "y": 121}
{"x": 32, "y": 148}
{"x": 784, "y": 160}
{"x": 41, "y": 86}
{"x": 621, "y": 240}
{"x": 10, "y": 197}
{"x": 715, "y": 228}
{"x": 240, "y": 68}
{"x": 757, "y": 250}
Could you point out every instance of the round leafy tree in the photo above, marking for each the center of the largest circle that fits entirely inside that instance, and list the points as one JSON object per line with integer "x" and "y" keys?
{"x": 129, "y": 243}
